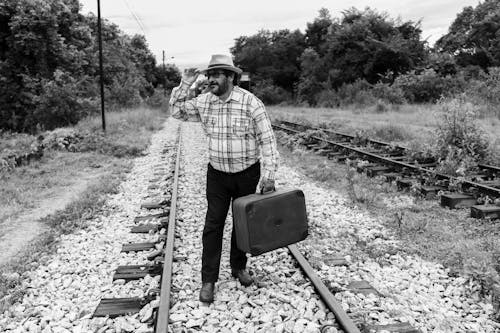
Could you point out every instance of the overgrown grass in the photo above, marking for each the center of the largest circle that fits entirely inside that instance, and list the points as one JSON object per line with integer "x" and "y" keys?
{"x": 126, "y": 132}
{"x": 23, "y": 187}
{"x": 404, "y": 124}
{"x": 108, "y": 158}
{"x": 72, "y": 217}
{"x": 464, "y": 245}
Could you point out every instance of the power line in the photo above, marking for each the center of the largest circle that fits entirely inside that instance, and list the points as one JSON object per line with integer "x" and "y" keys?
{"x": 137, "y": 18}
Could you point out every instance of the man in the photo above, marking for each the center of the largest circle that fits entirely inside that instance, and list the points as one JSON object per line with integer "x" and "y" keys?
{"x": 239, "y": 131}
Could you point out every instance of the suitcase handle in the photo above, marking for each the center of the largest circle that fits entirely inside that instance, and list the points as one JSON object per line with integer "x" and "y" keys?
{"x": 267, "y": 192}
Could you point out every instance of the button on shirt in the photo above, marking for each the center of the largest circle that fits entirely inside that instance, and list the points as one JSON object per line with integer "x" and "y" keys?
{"x": 238, "y": 129}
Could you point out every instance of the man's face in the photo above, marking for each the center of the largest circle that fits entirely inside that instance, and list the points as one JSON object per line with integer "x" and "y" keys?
{"x": 218, "y": 82}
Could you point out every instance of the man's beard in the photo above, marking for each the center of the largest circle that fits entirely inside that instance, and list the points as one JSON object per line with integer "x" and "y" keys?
{"x": 219, "y": 89}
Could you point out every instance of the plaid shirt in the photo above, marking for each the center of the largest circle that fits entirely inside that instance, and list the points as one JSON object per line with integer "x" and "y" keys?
{"x": 238, "y": 129}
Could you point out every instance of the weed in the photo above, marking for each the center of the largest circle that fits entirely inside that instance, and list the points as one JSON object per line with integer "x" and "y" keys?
{"x": 391, "y": 132}
{"x": 460, "y": 143}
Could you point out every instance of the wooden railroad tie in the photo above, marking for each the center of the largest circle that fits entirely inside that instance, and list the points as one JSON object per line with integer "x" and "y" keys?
{"x": 457, "y": 200}
{"x": 116, "y": 307}
{"x": 431, "y": 191}
{"x": 335, "y": 260}
{"x": 485, "y": 212}
{"x": 335, "y": 155}
{"x": 325, "y": 151}
{"x": 393, "y": 328}
{"x": 155, "y": 205}
{"x": 391, "y": 176}
{"x": 136, "y": 272}
{"x": 362, "y": 287}
{"x": 136, "y": 247}
{"x": 152, "y": 216}
{"x": 406, "y": 183}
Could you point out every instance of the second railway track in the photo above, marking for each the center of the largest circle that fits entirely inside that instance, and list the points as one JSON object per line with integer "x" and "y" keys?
{"x": 396, "y": 163}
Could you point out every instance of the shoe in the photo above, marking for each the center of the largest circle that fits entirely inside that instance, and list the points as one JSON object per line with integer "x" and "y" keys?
{"x": 243, "y": 276}
{"x": 207, "y": 292}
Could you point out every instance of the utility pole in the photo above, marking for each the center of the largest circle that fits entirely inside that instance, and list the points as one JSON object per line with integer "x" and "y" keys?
{"x": 164, "y": 76}
{"x": 100, "y": 64}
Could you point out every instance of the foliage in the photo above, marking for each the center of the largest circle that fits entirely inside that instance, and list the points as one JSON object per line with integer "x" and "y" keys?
{"x": 388, "y": 93}
{"x": 474, "y": 36}
{"x": 367, "y": 44}
{"x": 49, "y": 68}
{"x": 159, "y": 99}
{"x": 311, "y": 78}
{"x": 485, "y": 92}
{"x": 460, "y": 143}
{"x": 427, "y": 86}
{"x": 271, "y": 56}
{"x": 269, "y": 93}
{"x": 362, "y": 46}
{"x": 17, "y": 150}
{"x": 317, "y": 31}
{"x": 166, "y": 77}
{"x": 56, "y": 105}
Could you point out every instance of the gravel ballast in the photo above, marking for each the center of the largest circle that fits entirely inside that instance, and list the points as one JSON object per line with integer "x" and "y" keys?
{"x": 63, "y": 293}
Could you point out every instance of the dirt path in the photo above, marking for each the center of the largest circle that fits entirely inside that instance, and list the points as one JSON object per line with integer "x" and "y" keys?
{"x": 18, "y": 232}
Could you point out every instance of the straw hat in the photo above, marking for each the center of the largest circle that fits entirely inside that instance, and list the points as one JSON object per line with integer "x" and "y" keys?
{"x": 221, "y": 61}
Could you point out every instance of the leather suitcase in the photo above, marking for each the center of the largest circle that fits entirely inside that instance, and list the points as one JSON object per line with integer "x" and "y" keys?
{"x": 265, "y": 222}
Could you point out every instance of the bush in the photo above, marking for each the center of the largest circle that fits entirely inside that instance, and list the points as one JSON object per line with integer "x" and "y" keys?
{"x": 427, "y": 86}
{"x": 308, "y": 91}
{"x": 460, "y": 143}
{"x": 158, "y": 100}
{"x": 486, "y": 91}
{"x": 389, "y": 93}
{"x": 124, "y": 91}
{"x": 57, "y": 102}
{"x": 271, "y": 94}
{"x": 18, "y": 149}
{"x": 391, "y": 132}
{"x": 327, "y": 99}
{"x": 357, "y": 93}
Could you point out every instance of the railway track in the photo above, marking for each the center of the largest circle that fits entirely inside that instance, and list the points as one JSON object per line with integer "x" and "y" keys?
{"x": 158, "y": 302}
{"x": 318, "y": 285}
{"x": 395, "y": 163}
{"x": 175, "y": 308}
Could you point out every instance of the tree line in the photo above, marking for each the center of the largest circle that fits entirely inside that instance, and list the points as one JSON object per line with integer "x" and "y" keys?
{"x": 367, "y": 55}
{"x": 49, "y": 62}
{"x": 49, "y": 65}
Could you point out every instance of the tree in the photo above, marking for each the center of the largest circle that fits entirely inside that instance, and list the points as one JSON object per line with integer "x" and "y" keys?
{"x": 474, "y": 36}
{"x": 317, "y": 31}
{"x": 312, "y": 77}
{"x": 49, "y": 64}
{"x": 367, "y": 45}
{"x": 271, "y": 56}
{"x": 37, "y": 39}
{"x": 254, "y": 54}
{"x": 170, "y": 76}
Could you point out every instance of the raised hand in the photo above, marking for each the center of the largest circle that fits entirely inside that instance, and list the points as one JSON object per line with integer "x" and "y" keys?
{"x": 190, "y": 75}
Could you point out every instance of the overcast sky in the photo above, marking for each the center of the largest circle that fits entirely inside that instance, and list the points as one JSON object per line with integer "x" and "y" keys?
{"x": 192, "y": 30}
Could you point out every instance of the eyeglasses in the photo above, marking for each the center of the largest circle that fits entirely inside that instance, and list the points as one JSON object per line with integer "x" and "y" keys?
{"x": 215, "y": 73}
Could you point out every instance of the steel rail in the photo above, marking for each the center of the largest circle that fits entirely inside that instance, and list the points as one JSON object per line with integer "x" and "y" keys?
{"x": 492, "y": 191}
{"x": 491, "y": 168}
{"x": 343, "y": 319}
{"x": 162, "y": 315}
{"x": 350, "y": 136}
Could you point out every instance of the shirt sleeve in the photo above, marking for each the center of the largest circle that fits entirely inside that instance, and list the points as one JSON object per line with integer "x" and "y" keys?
{"x": 182, "y": 105}
{"x": 265, "y": 138}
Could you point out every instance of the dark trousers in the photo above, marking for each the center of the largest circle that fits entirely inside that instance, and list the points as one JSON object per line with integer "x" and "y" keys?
{"x": 222, "y": 188}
